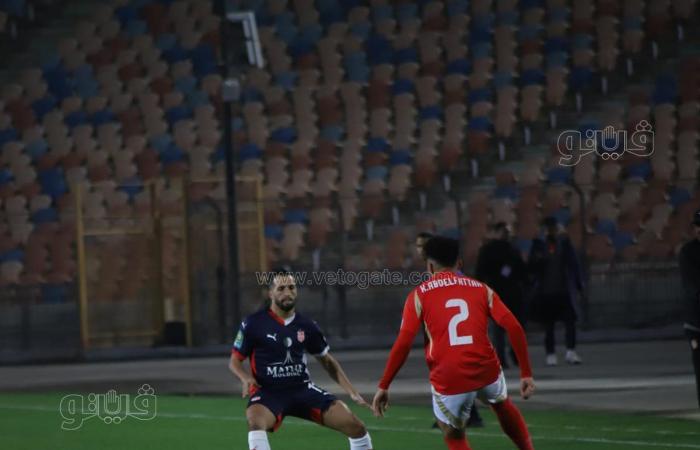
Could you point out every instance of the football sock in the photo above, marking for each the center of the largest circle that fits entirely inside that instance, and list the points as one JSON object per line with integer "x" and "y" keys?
{"x": 363, "y": 443}
{"x": 513, "y": 424}
{"x": 257, "y": 440}
{"x": 457, "y": 444}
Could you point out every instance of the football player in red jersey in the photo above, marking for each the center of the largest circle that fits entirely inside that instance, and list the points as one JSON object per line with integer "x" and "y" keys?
{"x": 454, "y": 311}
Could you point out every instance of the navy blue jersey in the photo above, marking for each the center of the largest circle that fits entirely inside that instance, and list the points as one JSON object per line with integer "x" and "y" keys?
{"x": 277, "y": 349}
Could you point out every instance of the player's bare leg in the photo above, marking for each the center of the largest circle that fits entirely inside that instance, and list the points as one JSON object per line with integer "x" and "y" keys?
{"x": 513, "y": 424}
{"x": 260, "y": 420}
{"x": 339, "y": 417}
{"x": 454, "y": 438}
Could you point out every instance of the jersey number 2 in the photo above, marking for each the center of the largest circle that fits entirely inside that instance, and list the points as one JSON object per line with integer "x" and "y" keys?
{"x": 458, "y": 318}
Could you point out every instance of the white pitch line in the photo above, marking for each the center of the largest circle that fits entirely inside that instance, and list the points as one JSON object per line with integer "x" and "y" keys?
{"x": 393, "y": 429}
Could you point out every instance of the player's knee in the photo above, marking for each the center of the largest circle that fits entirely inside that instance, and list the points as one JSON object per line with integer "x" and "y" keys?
{"x": 256, "y": 422}
{"x": 452, "y": 433}
{"x": 356, "y": 429}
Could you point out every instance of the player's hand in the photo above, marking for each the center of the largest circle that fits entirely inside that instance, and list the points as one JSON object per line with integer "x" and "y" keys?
{"x": 249, "y": 383}
{"x": 527, "y": 387}
{"x": 359, "y": 400}
{"x": 380, "y": 402}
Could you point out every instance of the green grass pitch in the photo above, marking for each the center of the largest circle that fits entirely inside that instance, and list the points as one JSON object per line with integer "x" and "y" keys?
{"x": 33, "y": 422}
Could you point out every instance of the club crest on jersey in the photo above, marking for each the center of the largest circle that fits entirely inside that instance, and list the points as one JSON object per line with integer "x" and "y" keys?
{"x": 301, "y": 336}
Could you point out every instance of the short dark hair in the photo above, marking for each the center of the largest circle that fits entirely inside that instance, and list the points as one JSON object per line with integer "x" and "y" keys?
{"x": 550, "y": 221}
{"x": 425, "y": 235}
{"x": 279, "y": 272}
{"x": 442, "y": 250}
{"x": 499, "y": 226}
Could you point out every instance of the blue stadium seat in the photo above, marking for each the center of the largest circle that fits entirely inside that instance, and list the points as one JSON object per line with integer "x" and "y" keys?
{"x": 8, "y": 135}
{"x": 399, "y": 157}
{"x": 249, "y": 151}
{"x": 166, "y": 41}
{"x": 510, "y": 192}
{"x": 296, "y": 216}
{"x": 36, "y": 149}
{"x": 678, "y": 196}
{"x": 287, "y": 80}
{"x": 136, "y": 28}
{"x": 461, "y": 65}
{"x": 172, "y": 154}
{"x": 76, "y": 118}
{"x": 43, "y": 106}
{"x": 641, "y": 170}
{"x": 479, "y": 95}
{"x": 502, "y": 79}
{"x": 580, "y": 78}
{"x": 406, "y": 11}
{"x": 274, "y": 232}
{"x": 45, "y": 215}
{"x": 361, "y": 29}
{"x": 6, "y": 176}
{"x": 406, "y": 55}
{"x": 332, "y": 133}
{"x": 102, "y": 117}
{"x": 532, "y": 76}
{"x": 606, "y": 227}
{"x": 379, "y": 50}
{"x": 286, "y": 135}
{"x": 186, "y": 84}
{"x": 178, "y": 113}
{"x": 126, "y": 13}
{"x": 621, "y": 240}
{"x": 161, "y": 142}
{"x": 480, "y": 123}
{"x": 131, "y": 187}
{"x": 377, "y": 145}
{"x": 558, "y": 175}
{"x": 15, "y": 254}
{"x": 430, "y": 112}
{"x": 402, "y": 86}
{"x": 53, "y": 182}
{"x": 377, "y": 173}
{"x": 197, "y": 98}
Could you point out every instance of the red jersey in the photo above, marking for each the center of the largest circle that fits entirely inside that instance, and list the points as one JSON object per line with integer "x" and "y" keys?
{"x": 454, "y": 311}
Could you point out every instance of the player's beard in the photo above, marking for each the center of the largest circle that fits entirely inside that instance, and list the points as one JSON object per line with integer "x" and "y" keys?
{"x": 286, "y": 304}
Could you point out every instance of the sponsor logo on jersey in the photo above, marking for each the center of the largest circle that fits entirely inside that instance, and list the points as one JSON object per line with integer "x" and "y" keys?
{"x": 239, "y": 340}
{"x": 255, "y": 399}
{"x": 286, "y": 371}
{"x": 272, "y": 336}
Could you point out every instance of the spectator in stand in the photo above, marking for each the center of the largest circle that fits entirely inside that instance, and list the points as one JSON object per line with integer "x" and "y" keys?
{"x": 558, "y": 281}
{"x": 690, "y": 275}
{"x": 500, "y": 266}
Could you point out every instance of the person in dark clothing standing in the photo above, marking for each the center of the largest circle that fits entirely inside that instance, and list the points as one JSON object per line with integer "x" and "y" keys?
{"x": 690, "y": 275}
{"x": 475, "y": 420}
{"x": 500, "y": 266}
{"x": 557, "y": 277}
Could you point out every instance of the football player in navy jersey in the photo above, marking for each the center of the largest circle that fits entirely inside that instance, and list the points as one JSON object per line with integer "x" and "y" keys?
{"x": 276, "y": 340}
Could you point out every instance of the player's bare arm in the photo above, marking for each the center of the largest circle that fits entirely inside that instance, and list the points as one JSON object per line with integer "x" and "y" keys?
{"x": 235, "y": 365}
{"x": 518, "y": 340}
{"x": 336, "y": 372}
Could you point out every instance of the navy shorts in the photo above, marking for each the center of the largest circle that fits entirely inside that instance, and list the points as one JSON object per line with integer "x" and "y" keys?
{"x": 306, "y": 401}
